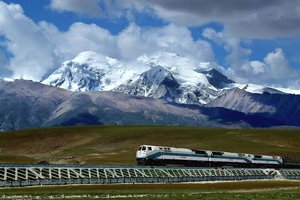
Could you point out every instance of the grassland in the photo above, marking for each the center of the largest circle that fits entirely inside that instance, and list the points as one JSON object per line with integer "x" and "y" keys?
{"x": 263, "y": 190}
{"x": 116, "y": 145}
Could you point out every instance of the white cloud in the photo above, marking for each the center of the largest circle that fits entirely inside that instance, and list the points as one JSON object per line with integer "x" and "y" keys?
{"x": 237, "y": 54}
{"x": 83, "y": 7}
{"x": 277, "y": 63}
{"x": 4, "y": 72}
{"x": 87, "y": 37}
{"x": 134, "y": 41}
{"x": 274, "y": 69}
{"x": 277, "y": 70}
{"x": 257, "y": 67}
{"x": 25, "y": 41}
{"x": 217, "y": 37}
{"x": 39, "y": 47}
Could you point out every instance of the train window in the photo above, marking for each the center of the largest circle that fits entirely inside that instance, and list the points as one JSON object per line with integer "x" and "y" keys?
{"x": 140, "y": 148}
{"x": 200, "y": 152}
{"x": 160, "y": 148}
{"x": 149, "y": 148}
{"x": 215, "y": 153}
{"x": 165, "y": 149}
{"x": 144, "y": 148}
{"x": 257, "y": 156}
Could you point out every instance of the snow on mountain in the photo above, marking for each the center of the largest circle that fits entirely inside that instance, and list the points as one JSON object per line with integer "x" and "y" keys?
{"x": 6, "y": 79}
{"x": 187, "y": 84}
{"x": 161, "y": 75}
{"x": 289, "y": 91}
{"x": 183, "y": 68}
{"x": 91, "y": 72}
{"x": 157, "y": 83}
{"x": 257, "y": 89}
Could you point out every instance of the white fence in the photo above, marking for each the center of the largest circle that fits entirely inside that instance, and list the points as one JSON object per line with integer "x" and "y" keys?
{"x": 25, "y": 175}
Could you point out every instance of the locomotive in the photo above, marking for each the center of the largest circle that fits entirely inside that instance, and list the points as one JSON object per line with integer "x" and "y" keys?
{"x": 171, "y": 156}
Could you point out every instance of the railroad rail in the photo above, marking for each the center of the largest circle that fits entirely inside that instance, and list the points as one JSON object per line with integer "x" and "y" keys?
{"x": 29, "y": 175}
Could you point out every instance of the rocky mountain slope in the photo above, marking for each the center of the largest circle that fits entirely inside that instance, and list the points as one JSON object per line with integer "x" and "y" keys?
{"x": 217, "y": 79}
{"x": 282, "y": 107}
{"x": 27, "y": 104}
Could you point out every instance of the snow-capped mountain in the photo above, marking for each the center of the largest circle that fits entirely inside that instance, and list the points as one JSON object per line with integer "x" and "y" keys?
{"x": 171, "y": 77}
{"x": 162, "y": 75}
{"x": 91, "y": 72}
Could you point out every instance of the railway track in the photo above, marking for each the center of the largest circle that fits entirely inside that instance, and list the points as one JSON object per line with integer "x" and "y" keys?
{"x": 30, "y": 175}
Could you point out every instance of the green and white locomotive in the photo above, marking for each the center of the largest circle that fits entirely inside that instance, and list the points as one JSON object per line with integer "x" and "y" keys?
{"x": 167, "y": 156}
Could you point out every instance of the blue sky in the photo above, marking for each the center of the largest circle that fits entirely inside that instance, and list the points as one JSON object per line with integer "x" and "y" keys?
{"x": 252, "y": 42}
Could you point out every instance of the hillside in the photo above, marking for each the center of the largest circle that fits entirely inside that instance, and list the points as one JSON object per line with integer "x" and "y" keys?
{"x": 116, "y": 145}
{"x": 282, "y": 107}
{"x": 28, "y": 104}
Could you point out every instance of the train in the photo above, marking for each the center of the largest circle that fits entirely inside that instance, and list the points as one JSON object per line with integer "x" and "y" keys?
{"x": 150, "y": 155}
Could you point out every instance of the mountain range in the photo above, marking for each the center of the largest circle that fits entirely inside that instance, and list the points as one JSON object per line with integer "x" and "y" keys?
{"x": 28, "y": 104}
{"x": 282, "y": 107}
{"x": 162, "y": 75}
{"x": 159, "y": 89}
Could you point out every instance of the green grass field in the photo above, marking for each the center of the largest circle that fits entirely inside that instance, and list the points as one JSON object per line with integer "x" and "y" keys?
{"x": 116, "y": 145}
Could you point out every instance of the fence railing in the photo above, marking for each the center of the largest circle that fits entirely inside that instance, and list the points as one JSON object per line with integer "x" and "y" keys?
{"x": 28, "y": 175}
